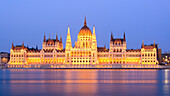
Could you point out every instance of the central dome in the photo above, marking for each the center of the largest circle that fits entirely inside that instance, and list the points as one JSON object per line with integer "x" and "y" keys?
{"x": 85, "y": 31}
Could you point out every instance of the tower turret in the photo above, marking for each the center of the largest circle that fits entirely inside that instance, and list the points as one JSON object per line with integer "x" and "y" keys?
{"x": 44, "y": 37}
{"x": 22, "y": 44}
{"x": 36, "y": 47}
{"x": 60, "y": 39}
{"x": 56, "y": 37}
{"x": 94, "y": 42}
{"x": 124, "y": 39}
{"x": 94, "y": 30}
{"x": 49, "y": 37}
{"x": 68, "y": 40}
{"x": 111, "y": 39}
{"x": 12, "y": 45}
{"x": 142, "y": 44}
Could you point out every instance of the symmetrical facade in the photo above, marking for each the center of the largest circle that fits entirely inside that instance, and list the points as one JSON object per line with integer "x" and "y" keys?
{"x": 85, "y": 51}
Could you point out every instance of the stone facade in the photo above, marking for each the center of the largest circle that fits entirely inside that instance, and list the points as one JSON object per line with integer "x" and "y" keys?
{"x": 85, "y": 51}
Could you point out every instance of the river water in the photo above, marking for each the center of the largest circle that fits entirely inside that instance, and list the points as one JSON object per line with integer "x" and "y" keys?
{"x": 84, "y": 82}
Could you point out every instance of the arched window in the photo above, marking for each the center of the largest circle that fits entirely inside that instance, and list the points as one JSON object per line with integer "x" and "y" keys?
{"x": 83, "y": 44}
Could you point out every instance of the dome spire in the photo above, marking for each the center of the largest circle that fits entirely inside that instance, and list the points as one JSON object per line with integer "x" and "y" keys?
{"x": 85, "y": 21}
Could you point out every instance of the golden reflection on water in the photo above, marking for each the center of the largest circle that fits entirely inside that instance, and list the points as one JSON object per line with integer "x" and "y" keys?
{"x": 166, "y": 76}
{"x": 166, "y": 87}
{"x": 81, "y": 74}
{"x": 85, "y": 76}
{"x": 82, "y": 81}
{"x": 86, "y": 80}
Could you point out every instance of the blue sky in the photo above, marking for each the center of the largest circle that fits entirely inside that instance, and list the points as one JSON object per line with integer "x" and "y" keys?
{"x": 28, "y": 20}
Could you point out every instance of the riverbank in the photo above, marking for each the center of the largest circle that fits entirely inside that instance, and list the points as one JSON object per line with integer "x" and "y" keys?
{"x": 84, "y": 66}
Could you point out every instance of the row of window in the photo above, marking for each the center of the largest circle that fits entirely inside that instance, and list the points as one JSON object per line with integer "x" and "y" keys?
{"x": 87, "y": 39}
{"x": 103, "y": 55}
{"x": 133, "y": 55}
{"x": 54, "y": 55}
{"x": 117, "y": 50}
{"x": 118, "y": 43}
{"x": 81, "y": 58}
{"x": 33, "y": 55}
{"x": 149, "y": 54}
{"x": 148, "y": 61}
{"x": 81, "y": 61}
{"x": 17, "y": 58}
{"x": 148, "y": 58}
{"x": 81, "y": 52}
{"x": 148, "y": 50}
{"x": 17, "y": 55}
{"x": 16, "y": 61}
{"x": 48, "y": 55}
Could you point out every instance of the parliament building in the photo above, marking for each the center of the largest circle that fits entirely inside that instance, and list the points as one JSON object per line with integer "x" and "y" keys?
{"x": 85, "y": 51}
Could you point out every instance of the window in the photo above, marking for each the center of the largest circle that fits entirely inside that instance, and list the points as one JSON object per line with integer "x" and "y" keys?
{"x": 83, "y": 44}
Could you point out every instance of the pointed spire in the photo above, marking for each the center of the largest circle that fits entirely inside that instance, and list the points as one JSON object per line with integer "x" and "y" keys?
{"x": 142, "y": 44}
{"x": 44, "y": 37}
{"x": 68, "y": 30}
{"x": 94, "y": 30}
{"x": 154, "y": 42}
{"x": 22, "y": 44}
{"x": 124, "y": 38}
{"x": 85, "y": 21}
{"x": 36, "y": 47}
{"x": 49, "y": 37}
{"x": 56, "y": 37}
{"x": 68, "y": 40}
{"x": 111, "y": 37}
{"x": 12, "y": 45}
{"x": 105, "y": 46}
{"x": 52, "y": 36}
{"x": 61, "y": 39}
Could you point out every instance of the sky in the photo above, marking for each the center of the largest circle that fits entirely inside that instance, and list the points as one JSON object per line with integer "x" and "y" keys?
{"x": 27, "y": 21}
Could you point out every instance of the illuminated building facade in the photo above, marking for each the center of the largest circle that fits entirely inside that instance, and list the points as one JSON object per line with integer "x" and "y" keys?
{"x": 84, "y": 52}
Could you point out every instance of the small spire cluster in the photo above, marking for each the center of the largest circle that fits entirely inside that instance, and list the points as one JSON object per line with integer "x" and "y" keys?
{"x": 55, "y": 38}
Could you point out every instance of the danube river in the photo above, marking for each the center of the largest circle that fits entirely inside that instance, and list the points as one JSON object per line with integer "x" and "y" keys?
{"x": 85, "y": 82}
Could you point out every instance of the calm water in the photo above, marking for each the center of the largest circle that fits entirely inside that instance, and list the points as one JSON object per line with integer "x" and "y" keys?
{"x": 79, "y": 82}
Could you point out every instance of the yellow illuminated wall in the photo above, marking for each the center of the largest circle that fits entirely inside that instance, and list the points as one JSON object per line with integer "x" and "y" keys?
{"x": 85, "y": 51}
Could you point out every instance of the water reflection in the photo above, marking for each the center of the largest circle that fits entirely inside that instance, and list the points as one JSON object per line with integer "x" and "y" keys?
{"x": 166, "y": 86}
{"x": 84, "y": 82}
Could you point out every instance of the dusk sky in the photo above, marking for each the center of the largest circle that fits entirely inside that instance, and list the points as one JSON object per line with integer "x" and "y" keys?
{"x": 28, "y": 20}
